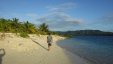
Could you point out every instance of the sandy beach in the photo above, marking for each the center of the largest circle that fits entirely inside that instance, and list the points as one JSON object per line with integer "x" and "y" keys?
{"x": 33, "y": 50}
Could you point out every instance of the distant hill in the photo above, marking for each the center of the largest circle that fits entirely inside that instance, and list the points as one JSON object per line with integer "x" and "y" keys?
{"x": 85, "y": 32}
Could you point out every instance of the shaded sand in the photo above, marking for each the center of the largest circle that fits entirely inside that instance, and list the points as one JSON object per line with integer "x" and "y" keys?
{"x": 33, "y": 50}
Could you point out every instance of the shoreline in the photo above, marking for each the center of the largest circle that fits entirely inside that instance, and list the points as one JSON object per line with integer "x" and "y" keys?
{"x": 92, "y": 49}
{"x": 71, "y": 55}
{"x": 26, "y": 51}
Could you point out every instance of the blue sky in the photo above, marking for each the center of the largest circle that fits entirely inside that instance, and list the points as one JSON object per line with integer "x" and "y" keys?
{"x": 61, "y": 15}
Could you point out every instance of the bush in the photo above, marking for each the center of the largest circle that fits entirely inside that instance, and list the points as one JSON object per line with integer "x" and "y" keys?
{"x": 24, "y": 35}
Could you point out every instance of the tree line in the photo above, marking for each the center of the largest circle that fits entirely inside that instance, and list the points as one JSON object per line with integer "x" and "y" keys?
{"x": 22, "y": 28}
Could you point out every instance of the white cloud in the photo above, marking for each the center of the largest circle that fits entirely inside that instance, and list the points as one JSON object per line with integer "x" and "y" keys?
{"x": 59, "y": 21}
{"x": 61, "y": 7}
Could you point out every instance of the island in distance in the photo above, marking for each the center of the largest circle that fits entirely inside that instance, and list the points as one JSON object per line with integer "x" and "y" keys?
{"x": 85, "y": 33}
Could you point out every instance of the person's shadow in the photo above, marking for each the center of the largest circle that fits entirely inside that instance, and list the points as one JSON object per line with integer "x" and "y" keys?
{"x": 1, "y": 55}
{"x": 39, "y": 44}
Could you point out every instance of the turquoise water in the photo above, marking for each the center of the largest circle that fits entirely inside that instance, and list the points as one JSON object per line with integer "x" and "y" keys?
{"x": 97, "y": 49}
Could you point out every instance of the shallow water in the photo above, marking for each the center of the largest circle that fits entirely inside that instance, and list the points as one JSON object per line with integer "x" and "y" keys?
{"x": 97, "y": 49}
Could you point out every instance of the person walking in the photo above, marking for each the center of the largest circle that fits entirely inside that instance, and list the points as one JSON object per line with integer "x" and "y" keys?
{"x": 49, "y": 41}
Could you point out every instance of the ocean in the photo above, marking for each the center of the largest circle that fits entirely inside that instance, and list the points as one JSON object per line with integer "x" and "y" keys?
{"x": 96, "y": 49}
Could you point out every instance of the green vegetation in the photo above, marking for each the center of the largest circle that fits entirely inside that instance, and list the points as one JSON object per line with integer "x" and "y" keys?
{"x": 24, "y": 35}
{"x": 23, "y": 28}
{"x": 43, "y": 29}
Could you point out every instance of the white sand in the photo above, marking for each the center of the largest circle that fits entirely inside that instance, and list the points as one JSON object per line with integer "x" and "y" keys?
{"x": 33, "y": 50}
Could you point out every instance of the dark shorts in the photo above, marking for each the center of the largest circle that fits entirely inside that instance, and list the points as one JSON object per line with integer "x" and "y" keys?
{"x": 49, "y": 44}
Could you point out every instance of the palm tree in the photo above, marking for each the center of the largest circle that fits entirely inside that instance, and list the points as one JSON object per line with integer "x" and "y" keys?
{"x": 15, "y": 24}
{"x": 3, "y": 26}
{"x": 43, "y": 28}
{"x": 30, "y": 28}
